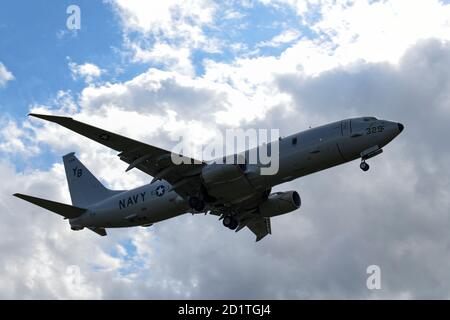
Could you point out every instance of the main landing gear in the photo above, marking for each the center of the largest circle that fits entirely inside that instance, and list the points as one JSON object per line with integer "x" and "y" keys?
{"x": 230, "y": 222}
{"x": 364, "y": 166}
{"x": 197, "y": 204}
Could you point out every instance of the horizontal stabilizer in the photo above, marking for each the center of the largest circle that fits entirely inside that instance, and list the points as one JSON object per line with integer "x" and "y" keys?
{"x": 67, "y": 211}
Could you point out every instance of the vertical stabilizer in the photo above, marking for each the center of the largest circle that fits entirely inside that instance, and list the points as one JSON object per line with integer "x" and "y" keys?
{"x": 84, "y": 187}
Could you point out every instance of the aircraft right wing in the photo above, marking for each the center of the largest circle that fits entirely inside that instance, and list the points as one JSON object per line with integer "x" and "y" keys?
{"x": 154, "y": 161}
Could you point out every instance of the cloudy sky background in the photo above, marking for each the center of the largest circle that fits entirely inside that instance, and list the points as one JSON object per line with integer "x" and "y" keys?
{"x": 156, "y": 71}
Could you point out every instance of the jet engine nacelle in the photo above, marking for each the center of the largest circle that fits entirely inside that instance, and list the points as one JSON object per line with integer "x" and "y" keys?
{"x": 280, "y": 203}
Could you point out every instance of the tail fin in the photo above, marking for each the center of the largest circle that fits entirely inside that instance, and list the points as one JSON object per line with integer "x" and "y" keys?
{"x": 85, "y": 189}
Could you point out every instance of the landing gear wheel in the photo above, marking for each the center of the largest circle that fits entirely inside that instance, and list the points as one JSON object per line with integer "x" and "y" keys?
{"x": 227, "y": 221}
{"x": 364, "y": 166}
{"x": 230, "y": 222}
{"x": 234, "y": 224}
{"x": 196, "y": 203}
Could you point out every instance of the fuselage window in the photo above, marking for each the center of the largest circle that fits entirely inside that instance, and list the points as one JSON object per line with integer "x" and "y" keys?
{"x": 294, "y": 141}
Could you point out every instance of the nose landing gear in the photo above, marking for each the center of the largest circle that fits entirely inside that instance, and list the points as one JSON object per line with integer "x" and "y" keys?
{"x": 364, "y": 166}
{"x": 367, "y": 154}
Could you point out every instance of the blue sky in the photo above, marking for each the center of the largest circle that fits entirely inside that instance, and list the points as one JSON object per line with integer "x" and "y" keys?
{"x": 37, "y": 57}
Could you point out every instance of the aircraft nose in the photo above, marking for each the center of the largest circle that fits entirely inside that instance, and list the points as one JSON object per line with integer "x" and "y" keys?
{"x": 400, "y": 127}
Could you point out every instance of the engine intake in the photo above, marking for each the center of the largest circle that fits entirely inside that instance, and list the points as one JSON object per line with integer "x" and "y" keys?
{"x": 280, "y": 203}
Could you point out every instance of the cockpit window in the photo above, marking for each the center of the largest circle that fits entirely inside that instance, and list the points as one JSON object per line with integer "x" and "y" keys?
{"x": 294, "y": 141}
{"x": 369, "y": 119}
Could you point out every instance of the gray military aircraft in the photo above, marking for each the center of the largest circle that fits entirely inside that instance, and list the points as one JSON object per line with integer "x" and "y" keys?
{"x": 238, "y": 193}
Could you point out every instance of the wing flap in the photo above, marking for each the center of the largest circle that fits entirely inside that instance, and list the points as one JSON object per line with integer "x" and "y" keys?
{"x": 260, "y": 227}
{"x": 65, "y": 210}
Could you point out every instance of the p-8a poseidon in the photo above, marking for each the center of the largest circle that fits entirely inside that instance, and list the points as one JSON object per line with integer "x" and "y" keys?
{"x": 238, "y": 193}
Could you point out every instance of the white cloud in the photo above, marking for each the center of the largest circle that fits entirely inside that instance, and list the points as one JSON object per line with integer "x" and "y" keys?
{"x": 174, "y": 58}
{"x": 372, "y": 31}
{"x": 5, "y": 75}
{"x": 30, "y": 268}
{"x": 287, "y": 36}
{"x": 167, "y": 18}
{"x": 346, "y": 31}
{"x": 382, "y": 31}
{"x": 88, "y": 72}
{"x": 168, "y": 31}
{"x": 15, "y": 140}
{"x": 231, "y": 14}
{"x": 223, "y": 93}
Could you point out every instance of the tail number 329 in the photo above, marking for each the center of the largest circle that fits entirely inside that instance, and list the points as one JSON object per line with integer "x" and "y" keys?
{"x": 372, "y": 130}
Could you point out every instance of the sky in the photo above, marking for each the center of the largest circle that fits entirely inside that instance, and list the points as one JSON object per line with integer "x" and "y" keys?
{"x": 156, "y": 71}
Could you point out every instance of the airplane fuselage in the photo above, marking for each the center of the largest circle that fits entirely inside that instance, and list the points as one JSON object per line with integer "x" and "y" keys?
{"x": 299, "y": 155}
{"x": 141, "y": 206}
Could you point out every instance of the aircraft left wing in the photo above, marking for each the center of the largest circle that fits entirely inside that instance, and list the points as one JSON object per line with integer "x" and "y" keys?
{"x": 154, "y": 161}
